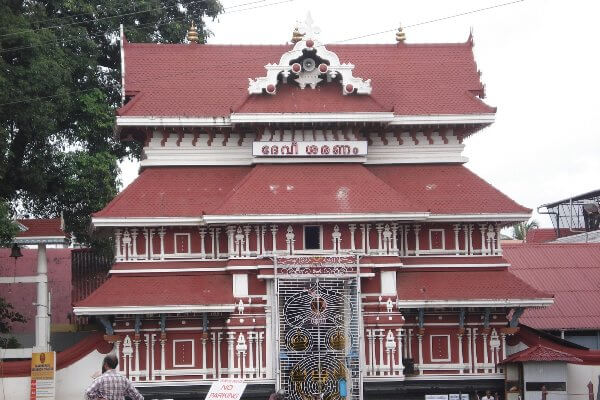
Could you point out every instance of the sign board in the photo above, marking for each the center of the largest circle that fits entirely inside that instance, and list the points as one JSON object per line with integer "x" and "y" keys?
{"x": 227, "y": 389}
{"x": 345, "y": 148}
{"x": 464, "y": 396}
{"x": 454, "y": 396}
{"x": 436, "y": 397}
{"x": 43, "y": 376}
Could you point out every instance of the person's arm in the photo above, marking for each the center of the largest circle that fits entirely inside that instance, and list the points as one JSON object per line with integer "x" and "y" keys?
{"x": 132, "y": 392}
{"x": 93, "y": 392}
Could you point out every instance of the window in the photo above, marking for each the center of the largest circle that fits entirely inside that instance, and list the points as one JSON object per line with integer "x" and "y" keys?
{"x": 437, "y": 241}
{"x": 439, "y": 348}
{"x": 182, "y": 243}
{"x": 240, "y": 285}
{"x": 388, "y": 282}
{"x": 183, "y": 353}
{"x": 312, "y": 237}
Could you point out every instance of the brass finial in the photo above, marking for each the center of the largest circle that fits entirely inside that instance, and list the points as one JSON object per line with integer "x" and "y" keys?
{"x": 297, "y": 35}
{"x": 400, "y": 35}
{"x": 192, "y": 34}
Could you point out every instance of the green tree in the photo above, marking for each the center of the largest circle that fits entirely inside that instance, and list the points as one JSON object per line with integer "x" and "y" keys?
{"x": 8, "y": 229}
{"x": 520, "y": 229}
{"x": 59, "y": 88}
{"x": 7, "y": 317}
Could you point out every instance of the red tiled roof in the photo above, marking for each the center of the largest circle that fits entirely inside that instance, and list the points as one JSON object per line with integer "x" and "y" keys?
{"x": 415, "y": 261}
{"x": 446, "y": 189}
{"x": 464, "y": 285}
{"x": 569, "y": 271}
{"x": 313, "y": 189}
{"x": 163, "y": 290}
{"x": 174, "y": 192}
{"x": 212, "y": 80}
{"x": 41, "y": 227}
{"x": 541, "y": 353}
{"x": 308, "y": 188}
{"x": 543, "y": 235}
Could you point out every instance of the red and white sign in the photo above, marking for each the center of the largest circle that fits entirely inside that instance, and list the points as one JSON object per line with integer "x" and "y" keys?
{"x": 229, "y": 389}
{"x": 350, "y": 148}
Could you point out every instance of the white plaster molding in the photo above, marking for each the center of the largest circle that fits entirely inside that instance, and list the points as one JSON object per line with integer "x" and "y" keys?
{"x": 309, "y": 75}
{"x": 146, "y": 221}
{"x": 485, "y": 217}
{"x": 475, "y": 303}
{"x": 443, "y": 119}
{"x": 262, "y": 118}
{"x": 251, "y": 218}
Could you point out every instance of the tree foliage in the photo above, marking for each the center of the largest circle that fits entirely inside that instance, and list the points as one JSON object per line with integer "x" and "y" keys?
{"x": 8, "y": 316}
{"x": 520, "y": 229}
{"x": 8, "y": 229}
{"x": 59, "y": 88}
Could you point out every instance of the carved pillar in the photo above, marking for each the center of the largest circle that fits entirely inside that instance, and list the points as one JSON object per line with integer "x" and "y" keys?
{"x": 126, "y": 240}
{"x": 336, "y": 237}
{"x": 274, "y": 233}
{"x": 470, "y": 349}
{"x": 146, "y": 242}
{"x": 417, "y": 229}
{"x": 161, "y": 233}
{"x": 230, "y": 245}
{"x": 217, "y": 248}
{"x": 263, "y": 230}
{"x": 368, "y": 229}
{"x": 204, "y": 340}
{"x": 258, "y": 241}
{"x": 136, "y": 344}
{"x": 399, "y": 365}
{"x": 230, "y": 354}
{"x": 420, "y": 340}
{"x": 162, "y": 358}
{"x": 483, "y": 230}
{"x": 474, "y": 350}
{"x": 118, "y": 244}
{"x": 381, "y": 364}
{"x": 503, "y": 341}
{"x": 212, "y": 242}
{"x": 379, "y": 228}
{"x": 466, "y": 231}
{"x": 498, "y": 241}
{"x": 460, "y": 353}
{"x": 363, "y": 230}
{"x": 491, "y": 239}
{"x": 395, "y": 237}
{"x": 387, "y": 239}
{"x": 456, "y": 244}
{"x": 202, "y": 244}
{"x": 352, "y": 228}
{"x": 471, "y": 250}
{"x": 405, "y": 236}
{"x": 134, "y": 234}
{"x": 247, "y": 230}
{"x": 239, "y": 242}
{"x": 485, "y": 351}
{"x": 289, "y": 240}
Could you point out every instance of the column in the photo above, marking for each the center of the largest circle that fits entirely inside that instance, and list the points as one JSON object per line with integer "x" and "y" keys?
{"x": 405, "y": 236}
{"x": 204, "y": 367}
{"x": 395, "y": 237}
{"x": 263, "y": 230}
{"x": 230, "y": 244}
{"x": 474, "y": 350}
{"x": 230, "y": 354}
{"x": 274, "y": 233}
{"x": 471, "y": 250}
{"x": 247, "y": 230}
{"x": 417, "y": 230}
{"x": 485, "y": 351}
{"x": 368, "y": 229}
{"x": 146, "y": 247}
{"x": 456, "y": 245}
{"x": 420, "y": 339}
{"x": 202, "y": 244}
{"x": 483, "y": 229}
{"x": 42, "y": 320}
{"x": 498, "y": 241}
{"x": 134, "y": 234}
{"x": 118, "y": 244}
{"x": 162, "y": 359}
{"x": 363, "y": 230}
{"x": 470, "y": 337}
{"x": 352, "y": 228}
{"x": 379, "y": 228}
{"x": 161, "y": 234}
{"x": 117, "y": 347}
{"x": 217, "y": 248}
{"x": 460, "y": 352}
{"x": 258, "y": 246}
{"x": 466, "y": 231}
{"x": 136, "y": 343}
{"x": 399, "y": 365}
{"x": 381, "y": 364}
{"x": 251, "y": 341}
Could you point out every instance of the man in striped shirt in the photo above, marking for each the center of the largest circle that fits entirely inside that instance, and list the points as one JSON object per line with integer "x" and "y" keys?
{"x": 111, "y": 385}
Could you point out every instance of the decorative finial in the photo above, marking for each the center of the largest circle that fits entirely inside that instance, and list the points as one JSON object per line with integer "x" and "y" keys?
{"x": 400, "y": 35}
{"x": 192, "y": 34}
{"x": 297, "y": 35}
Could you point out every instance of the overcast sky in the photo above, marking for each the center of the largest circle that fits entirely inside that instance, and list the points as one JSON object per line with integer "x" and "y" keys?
{"x": 539, "y": 60}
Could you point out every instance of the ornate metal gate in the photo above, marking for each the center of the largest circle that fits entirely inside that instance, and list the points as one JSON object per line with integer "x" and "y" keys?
{"x": 319, "y": 317}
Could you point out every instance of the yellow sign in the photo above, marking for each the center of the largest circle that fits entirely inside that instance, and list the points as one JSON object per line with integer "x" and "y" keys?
{"x": 43, "y": 368}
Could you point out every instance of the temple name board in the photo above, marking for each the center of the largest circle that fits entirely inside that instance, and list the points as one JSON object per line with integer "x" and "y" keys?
{"x": 310, "y": 149}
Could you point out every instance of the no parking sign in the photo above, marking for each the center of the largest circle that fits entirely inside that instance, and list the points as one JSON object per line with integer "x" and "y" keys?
{"x": 226, "y": 389}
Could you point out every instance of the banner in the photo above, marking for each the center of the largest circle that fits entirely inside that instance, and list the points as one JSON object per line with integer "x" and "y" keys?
{"x": 228, "y": 389}
{"x": 43, "y": 375}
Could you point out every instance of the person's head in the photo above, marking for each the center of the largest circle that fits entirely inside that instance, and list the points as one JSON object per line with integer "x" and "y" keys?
{"x": 110, "y": 362}
{"x": 488, "y": 393}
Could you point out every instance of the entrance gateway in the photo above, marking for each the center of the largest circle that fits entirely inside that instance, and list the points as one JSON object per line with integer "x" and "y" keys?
{"x": 319, "y": 331}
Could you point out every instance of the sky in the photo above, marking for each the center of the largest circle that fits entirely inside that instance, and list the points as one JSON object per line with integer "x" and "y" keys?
{"x": 539, "y": 61}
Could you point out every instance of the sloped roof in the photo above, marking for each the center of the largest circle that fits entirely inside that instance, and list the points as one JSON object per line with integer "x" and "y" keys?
{"x": 307, "y": 188}
{"x": 313, "y": 189}
{"x": 543, "y": 235}
{"x": 446, "y": 188}
{"x": 41, "y": 227}
{"x": 541, "y": 353}
{"x": 569, "y": 271}
{"x": 212, "y": 80}
{"x": 186, "y": 293}
{"x": 475, "y": 285}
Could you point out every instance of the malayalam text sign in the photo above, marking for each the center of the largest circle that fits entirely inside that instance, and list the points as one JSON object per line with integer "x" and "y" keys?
{"x": 227, "y": 389}
{"x": 348, "y": 148}
{"x": 43, "y": 373}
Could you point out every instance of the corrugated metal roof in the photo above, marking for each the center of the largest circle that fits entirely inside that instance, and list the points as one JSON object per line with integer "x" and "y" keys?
{"x": 569, "y": 271}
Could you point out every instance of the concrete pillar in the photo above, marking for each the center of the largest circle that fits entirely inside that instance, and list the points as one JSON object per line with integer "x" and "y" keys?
{"x": 42, "y": 319}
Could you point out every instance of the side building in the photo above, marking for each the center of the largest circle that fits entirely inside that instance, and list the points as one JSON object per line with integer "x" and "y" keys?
{"x": 304, "y": 220}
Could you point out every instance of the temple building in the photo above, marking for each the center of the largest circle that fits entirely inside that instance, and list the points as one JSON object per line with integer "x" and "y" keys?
{"x": 304, "y": 220}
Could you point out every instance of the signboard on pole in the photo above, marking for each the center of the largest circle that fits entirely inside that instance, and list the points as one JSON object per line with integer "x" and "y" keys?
{"x": 43, "y": 376}
{"x": 227, "y": 389}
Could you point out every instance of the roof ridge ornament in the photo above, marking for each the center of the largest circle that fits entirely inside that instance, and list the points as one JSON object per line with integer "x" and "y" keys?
{"x": 309, "y": 63}
{"x": 192, "y": 34}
